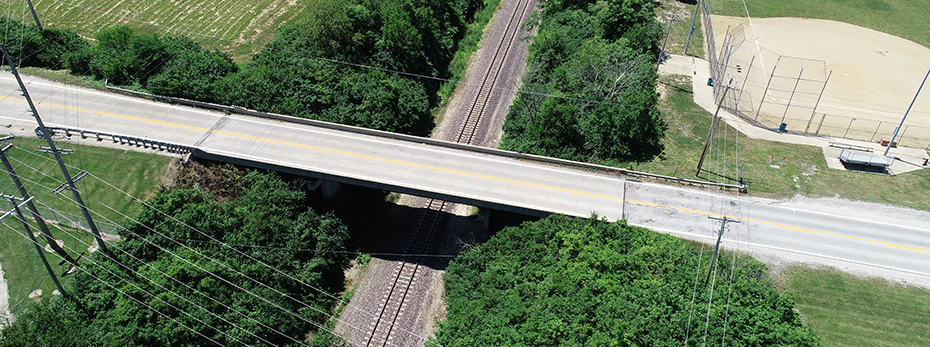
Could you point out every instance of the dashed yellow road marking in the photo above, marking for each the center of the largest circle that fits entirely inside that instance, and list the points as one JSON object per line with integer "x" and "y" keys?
{"x": 466, "y": 173}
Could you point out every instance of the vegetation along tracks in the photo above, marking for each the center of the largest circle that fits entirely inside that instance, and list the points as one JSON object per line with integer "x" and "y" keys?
{"x": 488, "y": 84}
{"x": 403, "y": 277}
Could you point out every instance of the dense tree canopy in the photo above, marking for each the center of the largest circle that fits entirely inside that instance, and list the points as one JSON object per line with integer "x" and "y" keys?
{"x": 368, "y": 63}
{"x": 566, "y": 281}
{"x": 589, "y": 90}
{"x": 303, "y": 72}
{"x": 260, "y": 216}
{"x": 47, "y": 48}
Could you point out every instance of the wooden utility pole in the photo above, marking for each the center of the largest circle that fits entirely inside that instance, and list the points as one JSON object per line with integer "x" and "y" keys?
{"x": 713, "y": 260}
{"x": 54, "y": 150}
{"x": 710, "y": 132}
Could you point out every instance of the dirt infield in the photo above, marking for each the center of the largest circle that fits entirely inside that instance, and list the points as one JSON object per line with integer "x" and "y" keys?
{"x": 874, "y": 77}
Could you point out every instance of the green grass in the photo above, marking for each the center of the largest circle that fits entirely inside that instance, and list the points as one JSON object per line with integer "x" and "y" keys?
{"x": 467, "y": 47}
{"x": 845, "y": 310}
{"x": 64, "y": 76}
{"x": 804, "y": 170}
{"x": 903, "y": 18}
{"x": 254, "y": 21}
{"x": 678, "y": 35}
{"x": 138, "y": 174}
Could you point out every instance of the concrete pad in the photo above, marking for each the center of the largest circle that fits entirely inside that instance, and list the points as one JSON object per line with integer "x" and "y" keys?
{"x": 677, "y": 65}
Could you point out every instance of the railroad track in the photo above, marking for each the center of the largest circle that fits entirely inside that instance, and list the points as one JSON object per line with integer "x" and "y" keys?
{"x": 404, "y": 274}
{"x": 488, "y": 84}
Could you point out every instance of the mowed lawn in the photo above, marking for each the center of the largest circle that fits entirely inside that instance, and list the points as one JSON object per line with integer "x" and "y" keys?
{"x": 903, "y": 18}
{"x": 216, "y": 24}
{"x": 845, "y": 310}
{"x": 797, "y": 170}
{"x": 137, "y": 174}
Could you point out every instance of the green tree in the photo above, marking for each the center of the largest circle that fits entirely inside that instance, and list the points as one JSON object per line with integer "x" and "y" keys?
{"x": 594, "y": 56}
{"x": 258, "y": 219}
{"x": 48, "y": 48}
{"x": 566, "y": 281}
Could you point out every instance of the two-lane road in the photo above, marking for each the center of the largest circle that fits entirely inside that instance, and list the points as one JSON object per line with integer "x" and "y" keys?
{"x": 866, "y": 237}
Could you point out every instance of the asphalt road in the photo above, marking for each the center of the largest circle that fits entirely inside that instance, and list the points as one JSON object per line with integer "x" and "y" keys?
{"x": 871, "y": 240}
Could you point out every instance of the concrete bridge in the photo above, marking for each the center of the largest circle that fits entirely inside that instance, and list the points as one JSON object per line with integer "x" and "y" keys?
{"x": 489, "y": 178}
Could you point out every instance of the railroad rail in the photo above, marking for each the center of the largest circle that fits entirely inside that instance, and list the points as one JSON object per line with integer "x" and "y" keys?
{"x": 430, "y": 218}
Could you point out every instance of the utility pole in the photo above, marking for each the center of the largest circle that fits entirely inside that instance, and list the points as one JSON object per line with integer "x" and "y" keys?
{"x": 54, "y": 150}
{"x": 895, "y": 134}
{"x": 34, "y": 15}
{"x": 32, "y": 238}
{"x": 713, "y": 260}
{"x": 32, "y": 207}
{"x": 693, "y": 18}
{"x": 667, "y": 33}
{"x": 710, "y": 132}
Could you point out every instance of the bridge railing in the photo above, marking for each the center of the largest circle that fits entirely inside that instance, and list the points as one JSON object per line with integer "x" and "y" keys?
{"x": 122, "y": 139}
{"x": 453, "y": 145}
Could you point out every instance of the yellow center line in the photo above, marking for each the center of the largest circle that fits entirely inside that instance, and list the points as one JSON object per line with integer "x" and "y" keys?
{"x": 467, "y": 173}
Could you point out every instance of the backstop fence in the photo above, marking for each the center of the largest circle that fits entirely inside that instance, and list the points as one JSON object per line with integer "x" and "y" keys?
{"x": 780, "y": 92}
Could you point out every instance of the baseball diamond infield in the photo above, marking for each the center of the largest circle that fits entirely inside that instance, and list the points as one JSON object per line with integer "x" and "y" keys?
{"x": 867, "y": 78}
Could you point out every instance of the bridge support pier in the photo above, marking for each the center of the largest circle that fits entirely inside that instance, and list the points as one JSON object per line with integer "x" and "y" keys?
{"x": 484, "y": 216}
{"x": 330, "y": 189}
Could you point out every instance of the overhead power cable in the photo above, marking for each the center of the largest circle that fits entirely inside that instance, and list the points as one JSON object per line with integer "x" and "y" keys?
{"x": 145, "y": 304}
{"x": 136, "y": 273}
{"x": 299, "y": 302}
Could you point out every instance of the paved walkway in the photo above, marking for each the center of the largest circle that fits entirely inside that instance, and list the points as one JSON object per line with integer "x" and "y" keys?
{"x": 908, "y": 159}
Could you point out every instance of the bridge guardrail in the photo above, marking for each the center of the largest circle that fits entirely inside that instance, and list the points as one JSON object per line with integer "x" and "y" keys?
{"x": 424, "y": 140}
{"x": 123, "y": 139}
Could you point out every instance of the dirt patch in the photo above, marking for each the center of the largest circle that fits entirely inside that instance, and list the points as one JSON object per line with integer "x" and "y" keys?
{"x": 874, "y": 75}
{"x": 4, "y": 300}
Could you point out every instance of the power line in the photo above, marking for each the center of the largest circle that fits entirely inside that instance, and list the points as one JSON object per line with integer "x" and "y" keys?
{"x": 231, "y": 269}
{"x": 145, "y": 304}
{"x": 188, "y": 287}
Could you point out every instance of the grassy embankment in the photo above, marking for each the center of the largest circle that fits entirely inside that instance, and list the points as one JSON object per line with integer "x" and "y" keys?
{"x": 804, "y": 171}
{"x": 467, "y": 47}
{"x": 681, "y": 27}
{"x": 845, "y": 310}
{"x": 139, "y": 174}
{"x": 903, "y": 18}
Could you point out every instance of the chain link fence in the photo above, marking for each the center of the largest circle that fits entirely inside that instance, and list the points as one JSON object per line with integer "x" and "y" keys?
{"x": 782, "y": 93}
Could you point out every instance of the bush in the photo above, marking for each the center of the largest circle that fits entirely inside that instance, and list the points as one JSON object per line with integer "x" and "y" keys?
{"x": 566, "y": 281}
{"x": 589, "y": 92}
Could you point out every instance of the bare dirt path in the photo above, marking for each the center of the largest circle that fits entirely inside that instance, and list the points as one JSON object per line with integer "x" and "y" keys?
{"x": 4, "y": 299}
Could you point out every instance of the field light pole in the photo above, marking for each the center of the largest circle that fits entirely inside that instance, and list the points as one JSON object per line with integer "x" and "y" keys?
{"x": 693, "y": 18}
{"x": 54, "y": 150}
{"x": 896, "y": 129}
